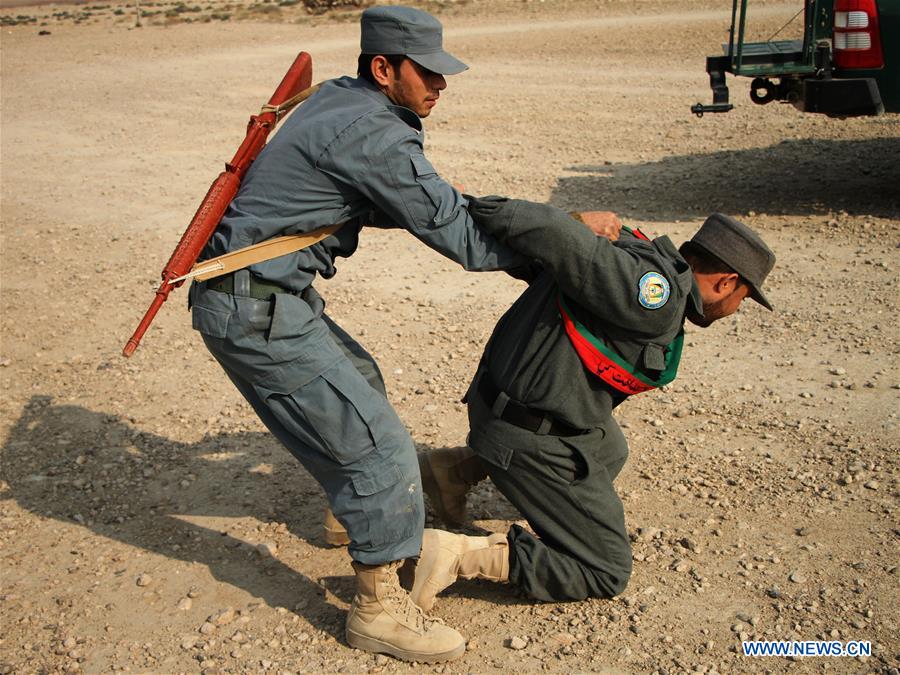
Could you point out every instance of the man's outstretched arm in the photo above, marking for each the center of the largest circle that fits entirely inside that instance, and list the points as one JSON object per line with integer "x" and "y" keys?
{"x": 602, "y": 278}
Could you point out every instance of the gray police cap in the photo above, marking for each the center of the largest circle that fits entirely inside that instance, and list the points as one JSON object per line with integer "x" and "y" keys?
{"x": 740, "y": 248}
{"x": 408, "y": 31}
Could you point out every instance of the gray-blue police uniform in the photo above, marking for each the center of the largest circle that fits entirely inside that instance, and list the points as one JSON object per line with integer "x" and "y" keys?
{"x": 347, "y": 156}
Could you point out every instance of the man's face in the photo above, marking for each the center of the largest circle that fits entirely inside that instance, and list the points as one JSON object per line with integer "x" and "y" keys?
{"x": 717, "y": 306}
{"x": 414, "y": 87}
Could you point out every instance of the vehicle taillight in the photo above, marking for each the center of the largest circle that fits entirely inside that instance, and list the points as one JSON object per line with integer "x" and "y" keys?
{"x": 857, "y": 40}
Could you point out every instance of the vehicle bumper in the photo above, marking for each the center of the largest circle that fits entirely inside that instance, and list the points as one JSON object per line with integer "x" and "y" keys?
{"x": 854, "y": 97}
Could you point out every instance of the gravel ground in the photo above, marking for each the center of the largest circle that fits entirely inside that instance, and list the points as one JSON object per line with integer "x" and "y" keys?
{"x": 150, "y": 524}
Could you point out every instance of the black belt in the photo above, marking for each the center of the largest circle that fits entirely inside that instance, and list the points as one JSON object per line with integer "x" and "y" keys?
{"x": 250, "y": 287}
{"x": 521, "y": 415}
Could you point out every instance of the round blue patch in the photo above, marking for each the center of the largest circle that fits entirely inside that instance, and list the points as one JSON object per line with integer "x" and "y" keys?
{"x": 653, "y": 290}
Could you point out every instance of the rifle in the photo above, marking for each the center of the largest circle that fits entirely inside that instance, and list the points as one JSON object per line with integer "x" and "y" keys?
{"x": 294, "y": 88}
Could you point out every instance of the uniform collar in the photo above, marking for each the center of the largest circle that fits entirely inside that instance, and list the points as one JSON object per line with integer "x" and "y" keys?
{"x": 369, "y": 89}
{"x": 695, "y": 297}
{"x": 686, "y": 278}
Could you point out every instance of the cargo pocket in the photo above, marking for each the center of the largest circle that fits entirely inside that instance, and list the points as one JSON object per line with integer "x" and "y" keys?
{"x": 377, "y": 479}
{"x": 389, "y": 503}
{"x": 337, "y": 411}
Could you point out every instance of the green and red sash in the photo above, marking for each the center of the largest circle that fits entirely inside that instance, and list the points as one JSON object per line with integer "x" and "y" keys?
{"x": 606, "y": 364}
{"x": 636, "y": 232}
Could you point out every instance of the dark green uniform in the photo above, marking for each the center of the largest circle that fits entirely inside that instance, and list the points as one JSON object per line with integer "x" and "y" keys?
{"x": 541, "y": 421}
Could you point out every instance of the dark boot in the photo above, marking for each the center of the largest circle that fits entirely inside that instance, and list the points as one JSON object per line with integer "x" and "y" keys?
{"x": 447, "y": 476}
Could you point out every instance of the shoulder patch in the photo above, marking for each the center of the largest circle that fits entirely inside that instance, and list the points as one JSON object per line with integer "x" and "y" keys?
{"x": 653, "y": 290}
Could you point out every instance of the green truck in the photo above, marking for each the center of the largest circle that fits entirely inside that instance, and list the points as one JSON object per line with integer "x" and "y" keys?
{"x": 846, "y": 65}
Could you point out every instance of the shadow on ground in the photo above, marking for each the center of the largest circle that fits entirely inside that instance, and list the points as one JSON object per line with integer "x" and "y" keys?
{"x": 71, "y": 464}
{"x": 76, "y": 465}
{"x": 793, "y": 178}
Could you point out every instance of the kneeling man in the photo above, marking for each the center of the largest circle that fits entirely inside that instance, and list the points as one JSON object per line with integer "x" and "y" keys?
{"x": 599, "y": 322}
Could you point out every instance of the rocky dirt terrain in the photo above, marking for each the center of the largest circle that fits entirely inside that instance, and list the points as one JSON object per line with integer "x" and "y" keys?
{"x": 150, "y": 524}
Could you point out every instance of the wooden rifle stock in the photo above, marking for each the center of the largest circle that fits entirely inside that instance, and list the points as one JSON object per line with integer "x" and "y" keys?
{"x": 294, "y": 87}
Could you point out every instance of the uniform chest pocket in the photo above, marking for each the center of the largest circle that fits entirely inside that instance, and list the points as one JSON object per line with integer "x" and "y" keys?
{"x": 439, "y": 203}
{"x": 422, "y": 167}
{"x": 654, "y": 357}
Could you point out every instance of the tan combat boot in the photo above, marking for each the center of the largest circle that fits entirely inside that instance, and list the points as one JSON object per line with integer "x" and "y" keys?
{"x": 447, "y": 475}
{"x": 447, "y": 557}
{"x": 335, "y": 534}
{"x": 383, "y": 619}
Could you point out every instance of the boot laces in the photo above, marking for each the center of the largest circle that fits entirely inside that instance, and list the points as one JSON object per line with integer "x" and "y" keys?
{"x": 413, "y": 615}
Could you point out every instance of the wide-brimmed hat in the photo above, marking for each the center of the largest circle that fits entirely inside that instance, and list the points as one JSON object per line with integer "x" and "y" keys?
{"x": 739, "y": 247}
{"x": 408, "y": 31}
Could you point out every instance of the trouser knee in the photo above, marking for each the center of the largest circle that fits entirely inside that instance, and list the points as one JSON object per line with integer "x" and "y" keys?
{"x": 382, "y": 506}
{"x": 610, "y": 583}
{"x": 612, "y": 572}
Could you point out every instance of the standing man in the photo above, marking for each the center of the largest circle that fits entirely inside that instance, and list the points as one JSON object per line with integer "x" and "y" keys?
{"x": 353, "y": 155}
{"x": 601, "y": 322}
